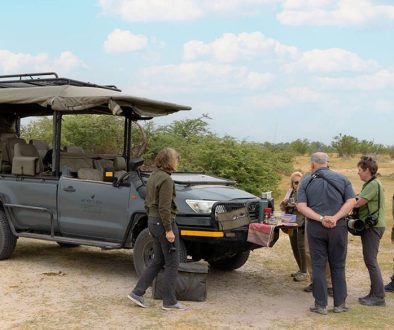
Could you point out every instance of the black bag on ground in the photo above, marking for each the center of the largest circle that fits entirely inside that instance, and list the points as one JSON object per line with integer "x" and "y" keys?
{"x": 190, "y": 283}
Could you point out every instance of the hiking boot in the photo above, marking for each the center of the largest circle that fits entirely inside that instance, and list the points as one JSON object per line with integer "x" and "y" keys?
{"x": 372, "y": 301}
{"x": 389, "y": 287}
{"x": 330, "y": 292}
{"x": 295, "y": 273}
{"x": 300, "y": 277}
{"x": 309, "y": 288}
{"x": 318, "y": 309}
{"x": 138, "y": 300}
{"x": 177, "y": 307}
{"x": 341, "y": 308}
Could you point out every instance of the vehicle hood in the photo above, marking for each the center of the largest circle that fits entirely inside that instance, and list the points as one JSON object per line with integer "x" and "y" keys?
{"x": 212, "y": 193}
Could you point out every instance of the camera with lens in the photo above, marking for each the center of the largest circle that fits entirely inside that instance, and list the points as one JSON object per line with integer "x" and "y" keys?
{"x": 355, "y": 226}
{"x": 371, "y": 220}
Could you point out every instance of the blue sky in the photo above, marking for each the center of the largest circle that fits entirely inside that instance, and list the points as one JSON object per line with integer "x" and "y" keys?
{"x": 263, "y": 70}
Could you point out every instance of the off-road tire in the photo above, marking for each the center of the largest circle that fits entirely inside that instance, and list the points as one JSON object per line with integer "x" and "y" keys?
{"x": 7, "y": 238}
{"x": 231, "y": 263}
{"x": 67, "y": 245}
{"x": 143, "y": 251}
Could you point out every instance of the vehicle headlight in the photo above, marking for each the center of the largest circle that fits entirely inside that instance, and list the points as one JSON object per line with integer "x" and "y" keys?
{"x": 200, "y": 206}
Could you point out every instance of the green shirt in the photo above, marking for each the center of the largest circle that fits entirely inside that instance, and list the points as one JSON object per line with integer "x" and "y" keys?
{"x": 370, "y": 193}
{"x": 160, "y": 197}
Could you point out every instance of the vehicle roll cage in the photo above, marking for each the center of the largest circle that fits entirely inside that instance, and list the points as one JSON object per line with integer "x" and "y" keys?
{"x": 45, "y": 79}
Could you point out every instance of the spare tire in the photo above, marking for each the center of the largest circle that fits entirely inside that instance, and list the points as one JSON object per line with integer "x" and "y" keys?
{"x": 7, "y": 238}
{"x": 143, "y": 251}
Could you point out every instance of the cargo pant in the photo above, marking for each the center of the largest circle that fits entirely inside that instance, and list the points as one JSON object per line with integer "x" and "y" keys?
{"x": 162, "y": 257}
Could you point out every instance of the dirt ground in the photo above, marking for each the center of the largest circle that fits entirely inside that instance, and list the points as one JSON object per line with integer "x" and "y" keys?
{"x": 44, "y": 286}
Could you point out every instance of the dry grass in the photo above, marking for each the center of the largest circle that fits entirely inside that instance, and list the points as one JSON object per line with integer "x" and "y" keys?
{"x": 46, "y": 287}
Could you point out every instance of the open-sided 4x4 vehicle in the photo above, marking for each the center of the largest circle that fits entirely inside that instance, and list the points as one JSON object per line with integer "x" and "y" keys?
{"x": 97, "y": 200}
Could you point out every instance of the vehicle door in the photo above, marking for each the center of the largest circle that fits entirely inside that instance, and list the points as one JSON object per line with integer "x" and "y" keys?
{"x": 31, "y": 202}
{"x": 92, "y": 209}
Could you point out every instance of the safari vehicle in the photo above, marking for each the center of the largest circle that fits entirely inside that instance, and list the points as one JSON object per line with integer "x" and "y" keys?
{"x": 97, "y": 200}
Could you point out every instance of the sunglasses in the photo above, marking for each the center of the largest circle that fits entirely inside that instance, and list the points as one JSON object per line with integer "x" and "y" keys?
{"x": 296, "y": 182}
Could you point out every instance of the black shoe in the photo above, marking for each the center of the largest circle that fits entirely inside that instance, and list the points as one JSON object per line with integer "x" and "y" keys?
{"x": 341, "y": 308}
{"x": 372, "y": 301}
{"x": 309, "y": 288}
{"x": 365, "y": 297}
{"x": 318, "y": 309}
{"x": 330, "y": 292}
{"x": 389, "y": 287}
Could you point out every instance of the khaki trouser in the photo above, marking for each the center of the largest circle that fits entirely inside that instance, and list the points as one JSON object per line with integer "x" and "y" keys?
{"x": 309, "y": 261}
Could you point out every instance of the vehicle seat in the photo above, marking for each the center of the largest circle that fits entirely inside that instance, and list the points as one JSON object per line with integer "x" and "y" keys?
{"x": 119, "y": 166}
{"x": 26, "y": 160}
{"x": 102, "y": 164}
{"x": 90, "y": 174}
{"x": 4, "y": 159}
{"x": 41, "y": 145}
{"x": 74, "y": 150}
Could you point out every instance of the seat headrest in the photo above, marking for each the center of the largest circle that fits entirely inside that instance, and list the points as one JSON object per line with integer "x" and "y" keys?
{"x": 119, "y": 164}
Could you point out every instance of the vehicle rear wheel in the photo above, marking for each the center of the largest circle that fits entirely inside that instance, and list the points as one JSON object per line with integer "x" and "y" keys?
{"x": 67, "y": 245}
{"x": 143, "y": 251}
{"x": 7, "y": 238}
{"x": 231, "y": 263}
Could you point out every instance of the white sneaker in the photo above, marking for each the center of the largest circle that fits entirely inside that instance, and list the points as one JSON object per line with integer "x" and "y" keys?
{"x": 177, "y": 307}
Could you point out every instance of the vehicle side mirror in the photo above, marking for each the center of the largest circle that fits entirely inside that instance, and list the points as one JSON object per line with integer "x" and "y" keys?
{"x": 135, "y": 164}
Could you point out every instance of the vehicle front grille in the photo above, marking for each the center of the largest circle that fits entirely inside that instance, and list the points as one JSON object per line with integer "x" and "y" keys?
{"x": 226, "y": 207}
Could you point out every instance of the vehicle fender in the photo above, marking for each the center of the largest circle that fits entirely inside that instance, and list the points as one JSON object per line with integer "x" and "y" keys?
{"x": 138, "y": 222}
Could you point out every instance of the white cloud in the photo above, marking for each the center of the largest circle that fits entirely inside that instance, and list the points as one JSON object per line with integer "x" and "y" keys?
{"x": 232, "y": 47}
{"x": 379, "y": 80}
{"x": 333, "y": 12}
{"x": 24, "y": 62}
{"x": 152, "y": 10}
{"x": 287, "y": 98}
{"x": 67, "y": 61}
{"x": 120, "y": 41}
{"x": 180, "y": 10}
{"x": 207, "y": 75}
{"x": 330, "y": 60}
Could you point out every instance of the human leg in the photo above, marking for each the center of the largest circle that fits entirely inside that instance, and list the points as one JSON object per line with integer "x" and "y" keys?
{"x": 370, "y": 242}
{"x": 171, "y": 268}
{"x": 293, "y": 236}
{"x": 157, "y": 230}
{"x": 337, "y": 251}
{"x": 318, "y": 244}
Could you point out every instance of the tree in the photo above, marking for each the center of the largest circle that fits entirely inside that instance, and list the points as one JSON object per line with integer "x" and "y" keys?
{"x": 345, "y": 145}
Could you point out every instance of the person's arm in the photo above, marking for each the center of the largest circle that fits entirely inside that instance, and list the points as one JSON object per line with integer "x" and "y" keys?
{"x": 308, "y": 212}
{"x": 360, "y": 201}
{"x": 331, "y": 221}
{"x": 164, "y": 208}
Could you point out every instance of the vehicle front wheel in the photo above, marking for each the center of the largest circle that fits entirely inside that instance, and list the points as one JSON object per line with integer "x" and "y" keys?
{"x": 7, "y": 238}
{"x": 143, "y": 251}
{"x": 231, "y": 263}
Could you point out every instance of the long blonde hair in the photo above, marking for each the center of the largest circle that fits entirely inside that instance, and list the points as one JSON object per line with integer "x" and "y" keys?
{"x": 293, "y": 175}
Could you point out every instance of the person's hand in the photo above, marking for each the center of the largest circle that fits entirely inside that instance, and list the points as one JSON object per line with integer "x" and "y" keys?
{"x": 329, "y": 221}
{"x": 170, "y": 236}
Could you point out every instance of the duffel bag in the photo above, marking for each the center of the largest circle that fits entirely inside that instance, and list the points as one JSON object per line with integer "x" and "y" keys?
{"x": 191, "y": 283}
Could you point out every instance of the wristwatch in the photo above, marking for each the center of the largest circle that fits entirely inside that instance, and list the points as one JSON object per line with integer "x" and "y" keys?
{"x": 321, "y": 218}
